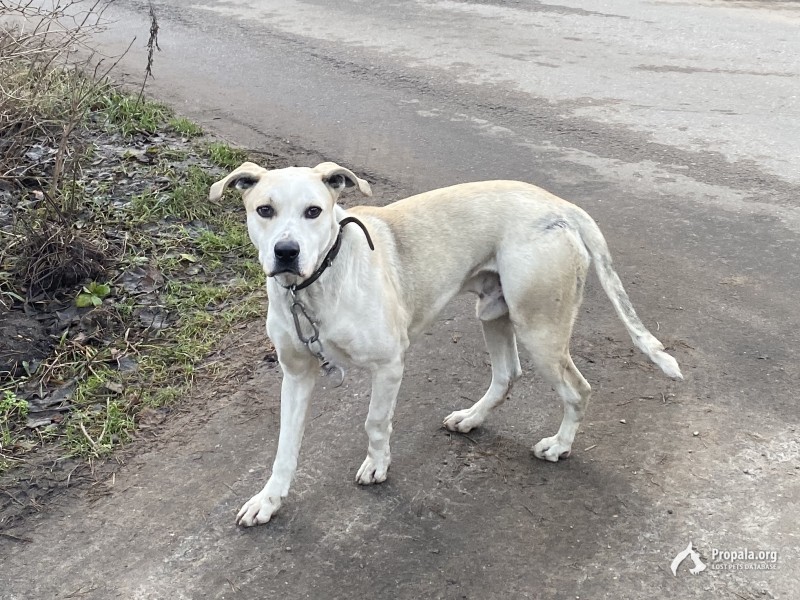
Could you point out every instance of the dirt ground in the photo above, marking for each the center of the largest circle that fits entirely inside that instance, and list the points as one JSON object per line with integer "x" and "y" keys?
{"x": 656, "y": 465}
{"x": 707, "y": 253}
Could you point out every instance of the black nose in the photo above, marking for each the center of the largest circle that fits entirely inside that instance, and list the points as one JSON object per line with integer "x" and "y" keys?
{"x": 287, "y": 251}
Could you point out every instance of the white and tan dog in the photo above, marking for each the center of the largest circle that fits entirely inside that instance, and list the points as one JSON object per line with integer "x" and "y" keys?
{"x": 522, "y": 250}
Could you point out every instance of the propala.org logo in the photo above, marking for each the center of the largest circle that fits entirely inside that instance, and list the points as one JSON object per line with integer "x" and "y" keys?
{"x": 699, "y": 565}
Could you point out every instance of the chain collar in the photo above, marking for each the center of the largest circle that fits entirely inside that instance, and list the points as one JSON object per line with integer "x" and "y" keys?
{"x": 333, "y": 252}
{"x": 300, "y": 312}
{"x": 312, "y": 342}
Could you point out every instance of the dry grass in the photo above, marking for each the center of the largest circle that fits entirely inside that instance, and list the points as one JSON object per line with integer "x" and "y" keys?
{"x": 56, "y": 258}
{"x": 51, "y": 83}
{"x": 42, "y": 102}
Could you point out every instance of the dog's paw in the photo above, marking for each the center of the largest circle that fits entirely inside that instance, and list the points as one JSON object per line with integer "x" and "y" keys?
{"x": 552, "y": 449}
{"x": 462, "y": 421}
{"x": 258, "y": 510}
{"x": 372, "y": 471}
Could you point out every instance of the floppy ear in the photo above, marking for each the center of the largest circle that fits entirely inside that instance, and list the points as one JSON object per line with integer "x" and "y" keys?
{"x": 338, "y": 178}
{"x": 243, "y": 177}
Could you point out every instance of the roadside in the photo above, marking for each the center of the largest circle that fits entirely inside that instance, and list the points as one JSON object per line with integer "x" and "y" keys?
{"x": 704, "y": 242}
{"x": 117, "y": 276}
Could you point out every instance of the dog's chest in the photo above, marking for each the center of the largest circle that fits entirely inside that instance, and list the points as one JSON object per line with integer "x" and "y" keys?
{"x": 354, "y": 333}
{"x": 344, "y": 345}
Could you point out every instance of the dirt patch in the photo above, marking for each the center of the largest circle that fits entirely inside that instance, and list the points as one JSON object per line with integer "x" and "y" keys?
{"x": 23, "y": 339}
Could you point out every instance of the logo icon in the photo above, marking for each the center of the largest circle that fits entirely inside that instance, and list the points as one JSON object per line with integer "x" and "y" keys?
{"x": 699, "y": 565}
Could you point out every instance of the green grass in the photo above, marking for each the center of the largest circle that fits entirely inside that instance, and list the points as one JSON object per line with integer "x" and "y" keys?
{"x": 13, "y": 411}
{"x": 166, "y": 366}
{"x": 225, "y": 156}
{"x": 129, "y": 114}
{"x": 185, "y": 127}
{"x": 212, "y": 279}
{"x": 206, "y": 309}
{"x": 186, "y": 200}
{"x": 189, "y": 199}
{"x": 98, "y": 430}
{"x": 231, "y": 235}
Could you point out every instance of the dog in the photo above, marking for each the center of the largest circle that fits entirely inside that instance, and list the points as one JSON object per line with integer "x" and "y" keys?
{"x": 355, "y": 287}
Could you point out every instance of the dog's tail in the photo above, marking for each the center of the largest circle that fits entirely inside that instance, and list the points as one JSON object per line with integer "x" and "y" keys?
{"x": 644, "y": 340}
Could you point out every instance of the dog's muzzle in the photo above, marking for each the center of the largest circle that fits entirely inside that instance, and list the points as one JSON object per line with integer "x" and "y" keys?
{"x": 287, "y": 254}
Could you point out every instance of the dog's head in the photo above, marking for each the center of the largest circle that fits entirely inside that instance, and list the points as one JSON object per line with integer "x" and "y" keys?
{"x": 290, "y": 213}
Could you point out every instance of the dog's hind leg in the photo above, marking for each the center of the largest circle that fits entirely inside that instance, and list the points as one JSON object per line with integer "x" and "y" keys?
{"x": 551, "y": 358}
{"x": 575, "y": 392}
{"x": 386, "y": 381}
{"x": 543, "y": 301}
{"x": 502, "y": 346}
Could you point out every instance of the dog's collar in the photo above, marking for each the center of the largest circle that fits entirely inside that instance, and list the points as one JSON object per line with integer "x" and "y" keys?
{"x": 332, "y": 253}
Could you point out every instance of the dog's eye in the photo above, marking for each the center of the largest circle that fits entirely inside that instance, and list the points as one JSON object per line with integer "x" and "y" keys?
{"x": 312, "y": 212}
{"x": 265, "y": 211}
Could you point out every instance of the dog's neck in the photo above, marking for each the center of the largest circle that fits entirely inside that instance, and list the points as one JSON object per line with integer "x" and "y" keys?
{"x": 332, "y": 253}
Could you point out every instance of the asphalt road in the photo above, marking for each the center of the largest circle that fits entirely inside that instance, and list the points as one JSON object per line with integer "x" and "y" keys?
{"x": 677, "y": 126}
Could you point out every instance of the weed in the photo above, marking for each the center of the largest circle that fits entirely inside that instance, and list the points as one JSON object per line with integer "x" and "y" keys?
{"x": 225, "y": 156}
{"x": 13, "y": 411}
{"x": 55, "y": 256}
{"x": 129, "y": 114}
{"x": 206, "y": 310}
{"x": 125, "y": 307}
{"x": 189, "y": 198}
{"x": 92, "y": 294}
{"x": 234, "y": 232}
{"x": 185, "y": 127}
{"x": 229, "y": 237}
{"x": 163, "y": 396}
{"x": 45, "y": 98}
{"x": 145, "y": 205}
{"x": 186, "y": 198}
{"x": 96, "y": 430}
{"x": 92, "y": 214}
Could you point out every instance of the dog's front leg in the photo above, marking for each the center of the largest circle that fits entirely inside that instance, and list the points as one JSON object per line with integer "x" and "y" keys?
{"x": 299, "y": 379}
{"x": 385, "y": 385}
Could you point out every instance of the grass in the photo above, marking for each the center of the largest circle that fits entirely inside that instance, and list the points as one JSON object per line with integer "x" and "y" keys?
{"x": 129, "y": 114}
{"x": 167, "y": 364}
{"x": 96, "y": 432}
{"x": 185, "y": 127}
{"x": 100, "y": 421}
{"x": 13, "y": 411}
{"x": 212, "y": 281}
{"x": 187, "y": 200}
{"x": 206, "y": 310}
{"x": 224, "y": 156}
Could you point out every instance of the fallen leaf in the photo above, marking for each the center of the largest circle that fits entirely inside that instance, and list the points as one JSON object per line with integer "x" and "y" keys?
{"x": 115, "y": 387}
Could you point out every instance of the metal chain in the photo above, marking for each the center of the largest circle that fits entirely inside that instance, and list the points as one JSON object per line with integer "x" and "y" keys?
{"x": 312, "y": 342}
{"x": 298, "y": 309}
